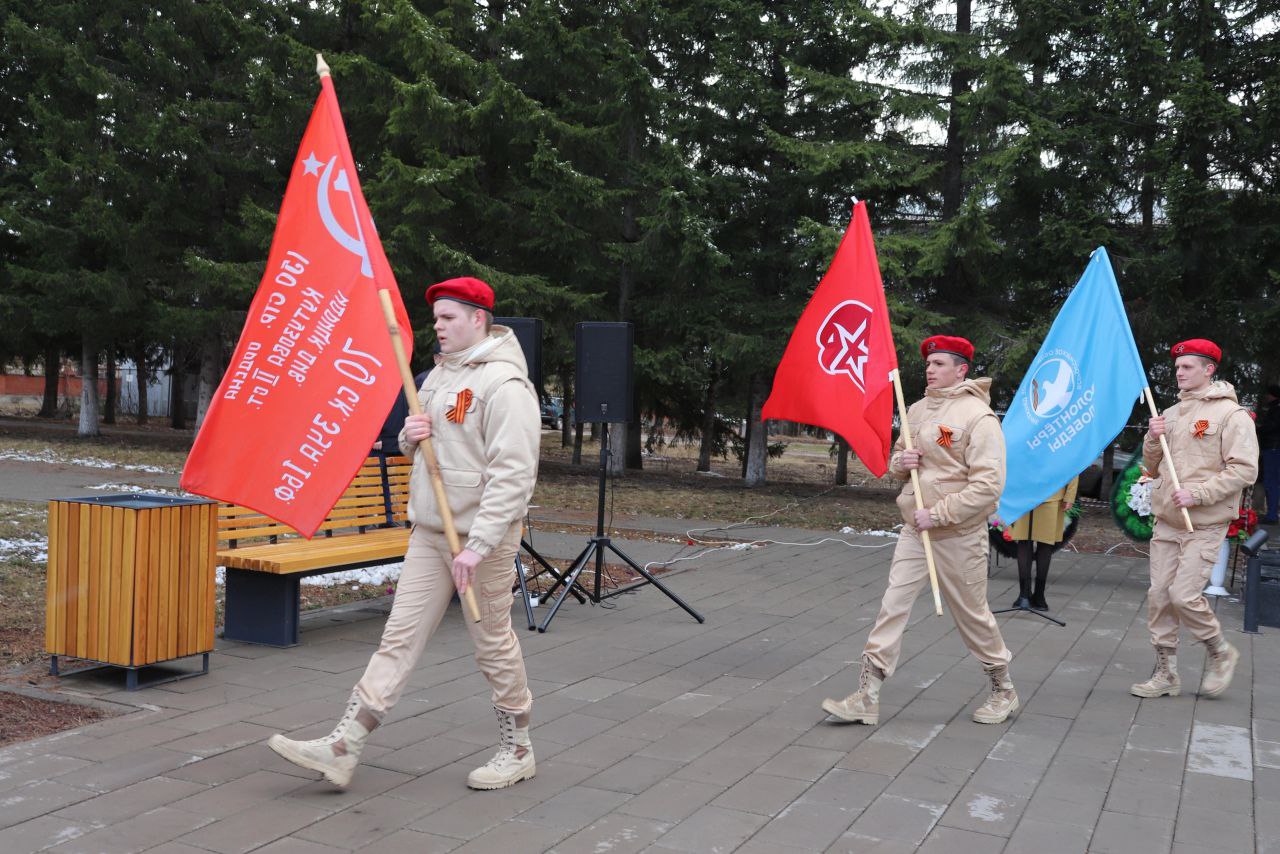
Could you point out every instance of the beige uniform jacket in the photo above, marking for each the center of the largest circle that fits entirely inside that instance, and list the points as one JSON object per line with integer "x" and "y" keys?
{"x": 1215, "y": 451}
{"x": 485, "y": 428}
{"x": 962, "y": 470}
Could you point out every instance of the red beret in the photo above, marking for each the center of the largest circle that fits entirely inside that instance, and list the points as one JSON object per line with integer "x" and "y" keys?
{"x": 1198, "y": 347}
{"x": 954, "y": 345}
{"x": 465, "y": 290}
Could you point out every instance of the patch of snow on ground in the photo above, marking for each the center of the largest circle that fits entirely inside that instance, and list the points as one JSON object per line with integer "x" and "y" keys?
{"x": 847, "y": 530}
{"x": 47, "y": 456}
{"x": 385, "y": 574}
{"x": 133, "y": 487}
{"x": 36, "y": 549}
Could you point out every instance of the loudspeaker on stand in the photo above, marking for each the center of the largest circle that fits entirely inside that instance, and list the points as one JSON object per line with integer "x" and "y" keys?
{"x": 603, "y": 380}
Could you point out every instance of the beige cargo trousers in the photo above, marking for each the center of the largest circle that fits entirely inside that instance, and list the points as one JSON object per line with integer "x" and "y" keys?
{"x": 961, "y": 561}
{"x": 422, "y": 596}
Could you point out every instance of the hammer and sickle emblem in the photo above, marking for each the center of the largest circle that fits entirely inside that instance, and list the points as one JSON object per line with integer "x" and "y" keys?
{"x": 354, "y": 245}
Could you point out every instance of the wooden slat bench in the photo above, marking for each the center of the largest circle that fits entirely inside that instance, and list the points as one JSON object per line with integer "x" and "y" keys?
{"x": 265, "y": 560}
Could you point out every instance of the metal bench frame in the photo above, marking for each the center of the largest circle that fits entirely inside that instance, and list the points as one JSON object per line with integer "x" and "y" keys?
{"x": 265, "y": 607}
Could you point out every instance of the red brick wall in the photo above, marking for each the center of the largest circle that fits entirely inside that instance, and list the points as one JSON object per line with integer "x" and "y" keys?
{"x": 20, "y": 384}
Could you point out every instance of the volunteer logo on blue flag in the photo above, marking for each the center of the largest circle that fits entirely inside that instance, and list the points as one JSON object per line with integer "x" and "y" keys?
{"x": 1077, "y": 395}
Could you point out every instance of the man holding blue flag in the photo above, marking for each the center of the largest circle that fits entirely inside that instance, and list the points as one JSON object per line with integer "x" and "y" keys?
{"x": 1211, "y": 439}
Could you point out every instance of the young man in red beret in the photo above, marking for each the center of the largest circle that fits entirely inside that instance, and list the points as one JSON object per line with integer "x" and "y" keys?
{"x": 482, "y": 413}
{"x": 959, "y": 455}
{"x": 1215, "y": 454}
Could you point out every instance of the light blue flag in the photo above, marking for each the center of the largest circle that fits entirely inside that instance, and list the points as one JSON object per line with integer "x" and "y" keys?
{"x": 1077, "y": 395}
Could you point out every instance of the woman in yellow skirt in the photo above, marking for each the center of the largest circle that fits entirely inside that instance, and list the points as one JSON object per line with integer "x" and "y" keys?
{"x": 1037, "y": 533}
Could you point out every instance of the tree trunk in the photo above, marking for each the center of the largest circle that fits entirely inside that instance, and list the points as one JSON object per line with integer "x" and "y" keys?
{"x": 52, "y": 373}
{"x": 635, "y": 435}
{"x": 953, "y": 161}
{"x": 210, "y": 374}
{"x": 566, "y": 407}
{"x": 950, "y": 286}
{"x": 758, "y": 443}
{"x": 618, "y": 448}
{"x": 1108, "y": 459}
{"x": 109, "y": 410}
{"x": 88, "y": 389}
{"x": 1148, "y": 163}
{"x": 177, "y": 391}
{"x": 628, "y": 435}
{"x": 140, "y": 362}
{"x": 842, "y": 462}
{"x": 709, "y": 420}
{"x": 577, "y": 444}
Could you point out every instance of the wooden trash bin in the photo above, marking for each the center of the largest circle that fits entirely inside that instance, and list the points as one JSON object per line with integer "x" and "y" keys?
{"x": 130, "y": 581}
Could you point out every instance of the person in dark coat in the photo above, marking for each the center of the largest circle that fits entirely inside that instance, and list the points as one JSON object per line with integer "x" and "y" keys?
{"x": 1269, "y": 442}
{"x": 388, "y": 441}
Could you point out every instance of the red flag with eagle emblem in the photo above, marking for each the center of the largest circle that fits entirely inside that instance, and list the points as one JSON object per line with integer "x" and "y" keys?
{"x": 314, "y": 374}
{"x": 835, "y": 371}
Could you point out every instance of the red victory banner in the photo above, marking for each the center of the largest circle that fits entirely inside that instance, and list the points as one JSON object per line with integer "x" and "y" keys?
{"x": 314, "y": 373}
{"x": 836, "y": 370}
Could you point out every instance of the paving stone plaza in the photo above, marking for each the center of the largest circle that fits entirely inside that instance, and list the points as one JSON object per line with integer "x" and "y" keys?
{"x": 655, "y": 733}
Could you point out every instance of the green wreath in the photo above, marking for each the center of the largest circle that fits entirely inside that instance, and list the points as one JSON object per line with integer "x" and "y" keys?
{"x": 1135, "y": 527}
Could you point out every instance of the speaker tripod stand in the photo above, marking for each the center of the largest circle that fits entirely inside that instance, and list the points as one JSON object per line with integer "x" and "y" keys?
{"x": 596, "y": 549}
{"x": 1024, "y": 608}
{"x": 1028, "y": 610}
{"x": 523, "y": 579}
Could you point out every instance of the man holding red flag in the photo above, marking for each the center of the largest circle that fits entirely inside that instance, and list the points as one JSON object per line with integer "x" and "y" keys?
{"x": 839, "y": 372}
{"x": 309, "y": 385}
{"x": 960, "y": 462}
{"x": 835, "y": 372}
{"x": 481, "y": 411}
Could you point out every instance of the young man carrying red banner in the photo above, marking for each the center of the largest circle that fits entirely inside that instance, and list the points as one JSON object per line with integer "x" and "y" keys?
{"x": 960, "y": 461}
{"x": 481, "y": 413}
{"x": 1215, "y": 454}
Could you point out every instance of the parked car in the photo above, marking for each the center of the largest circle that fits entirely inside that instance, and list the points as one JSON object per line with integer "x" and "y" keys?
{"x": 552, "y": 412}
{"x": 1091, "y": 478}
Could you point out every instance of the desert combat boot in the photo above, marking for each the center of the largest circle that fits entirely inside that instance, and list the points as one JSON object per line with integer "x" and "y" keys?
{"x": 1001, "y": 702}
{"x": 1220, "y": 667}
{"x": 514, "y": 760}
{"x": 337, "y": 754}
{"x": 1164, "y": 681}
{"x": 862, "y": 706}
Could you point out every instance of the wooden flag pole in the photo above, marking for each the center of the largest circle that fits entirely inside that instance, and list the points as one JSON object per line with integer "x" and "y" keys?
{"x": 915, "y": 482}
{"x": 429, "y": 452}
{"x": 1164, "y": 448}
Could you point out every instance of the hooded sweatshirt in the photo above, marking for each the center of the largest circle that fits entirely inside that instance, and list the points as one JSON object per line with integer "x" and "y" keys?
{"x": 1215, "y": 452}
{"x": 485, "y": 429}
{"x": 962, "y": 470}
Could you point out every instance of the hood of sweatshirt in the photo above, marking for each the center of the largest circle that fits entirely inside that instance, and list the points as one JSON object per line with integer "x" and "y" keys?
{"x": 1215, "y": 390}
{"x": 500, "y": 345}
{"x": 979, "y": 388}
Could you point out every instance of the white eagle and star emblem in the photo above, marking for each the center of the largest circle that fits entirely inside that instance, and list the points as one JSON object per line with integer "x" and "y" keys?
{"x": 843, "y": 347}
